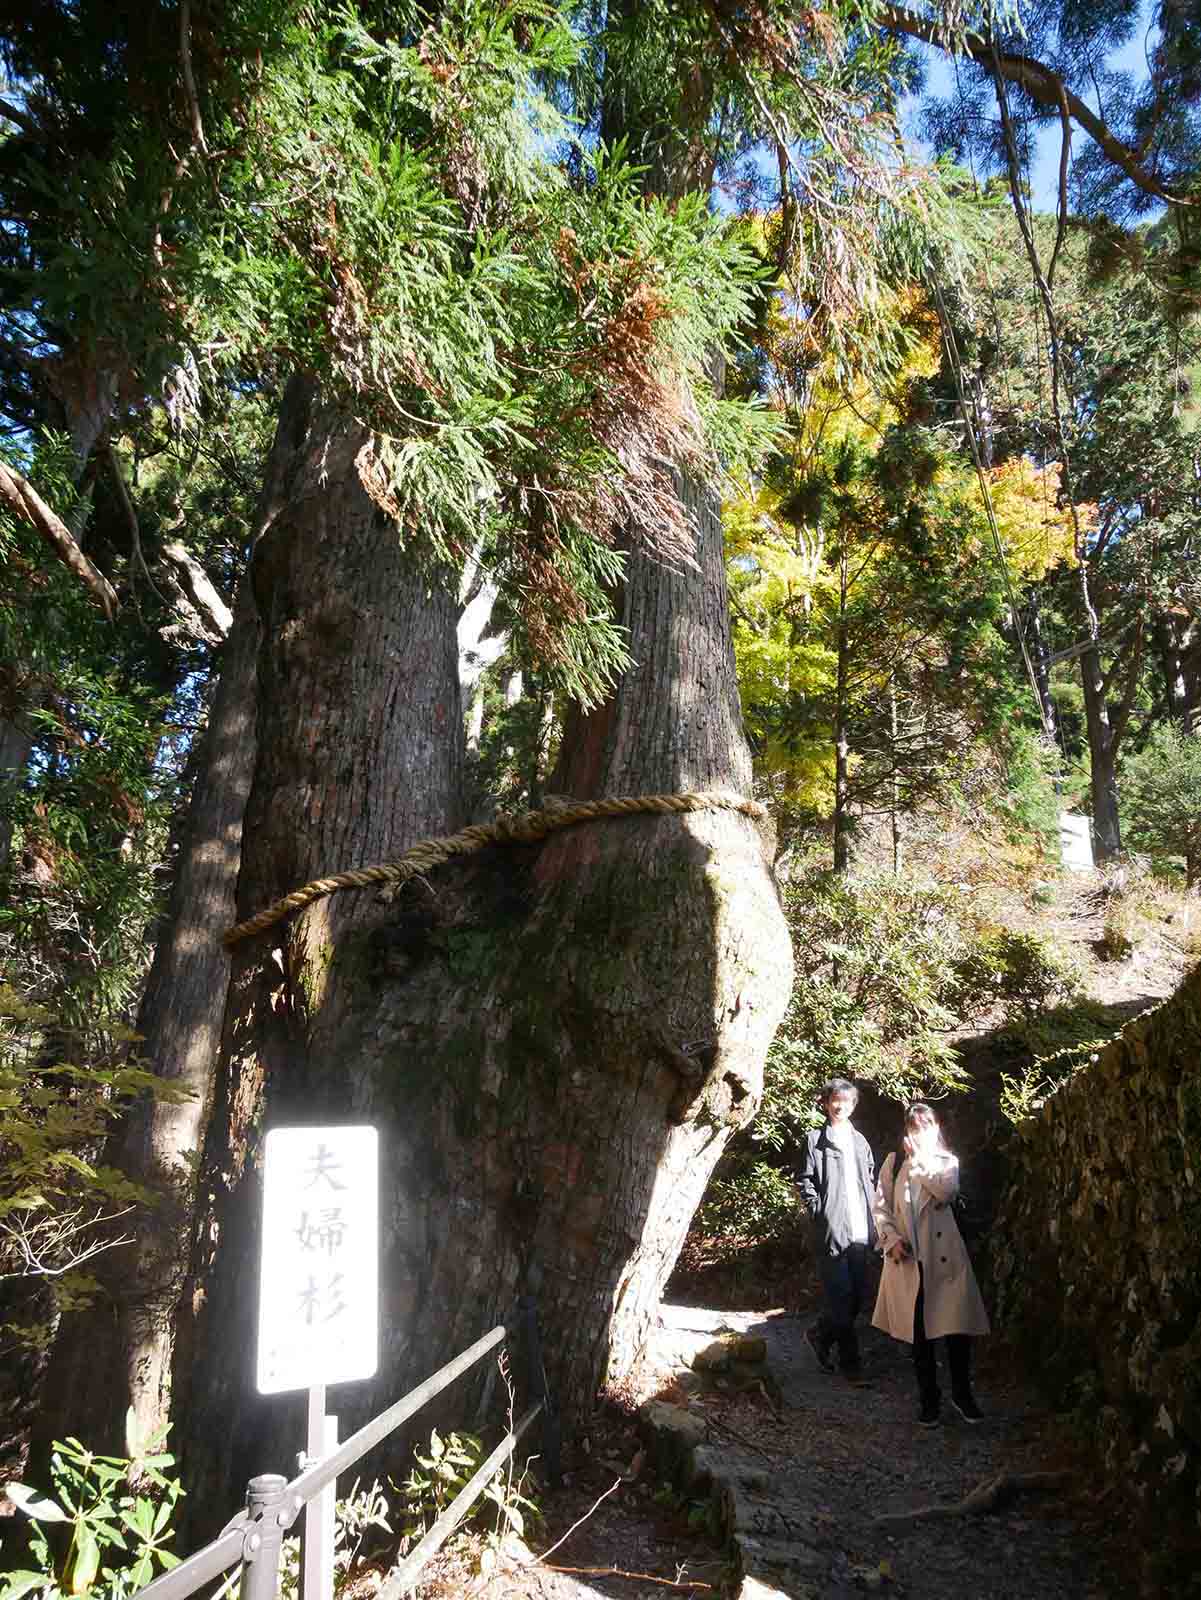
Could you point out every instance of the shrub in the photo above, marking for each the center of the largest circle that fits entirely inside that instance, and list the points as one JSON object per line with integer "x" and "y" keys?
{"x": 58, "y": 1204}
{"x": 1023, "y": 1092}
{"x": 1021, "y": 972}
{"x": 749, "y": 1206}
{"x": 877, "y": 993}
{"x": 1161, "y": 798}
{"x": 437, "y": 1477}
{"x": 118, "y": 1511}
{"x": 1117, "y": 941}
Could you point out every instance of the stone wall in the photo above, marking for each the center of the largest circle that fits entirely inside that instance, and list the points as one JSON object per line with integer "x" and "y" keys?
{"x": 1096, "y": 1257}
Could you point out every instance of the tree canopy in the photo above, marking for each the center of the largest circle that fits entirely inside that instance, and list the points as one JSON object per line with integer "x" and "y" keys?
{"x": 570, "y": 277}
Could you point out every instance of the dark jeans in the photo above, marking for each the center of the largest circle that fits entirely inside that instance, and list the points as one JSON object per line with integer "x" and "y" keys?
{"x": 843, "y": 1280}
{"x": 959, "y": 1356}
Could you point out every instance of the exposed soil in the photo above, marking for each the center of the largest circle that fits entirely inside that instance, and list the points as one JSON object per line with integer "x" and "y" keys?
{"x": 850, "y": 1455}
{"x": 640, "y": 1527}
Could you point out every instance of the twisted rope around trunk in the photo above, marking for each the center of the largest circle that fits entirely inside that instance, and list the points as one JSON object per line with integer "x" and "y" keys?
{"x": 527, "y": 828}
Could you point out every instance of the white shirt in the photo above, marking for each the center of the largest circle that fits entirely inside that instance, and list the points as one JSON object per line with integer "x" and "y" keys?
{"x": 843, "y": 1135}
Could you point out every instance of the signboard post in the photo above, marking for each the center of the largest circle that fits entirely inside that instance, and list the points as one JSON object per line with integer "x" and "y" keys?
{"x": 319, "y": 1292}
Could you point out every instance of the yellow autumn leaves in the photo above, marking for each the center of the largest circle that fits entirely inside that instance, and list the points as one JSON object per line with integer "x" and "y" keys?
{"x": 819, "y": 547}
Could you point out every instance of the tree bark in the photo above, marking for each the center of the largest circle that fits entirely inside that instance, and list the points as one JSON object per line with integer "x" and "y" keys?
{"x": 1102, "y": 753}
{"x": 555, "y": 1042}
{"x": 119, "y": 1355}
{"x": 16, "y": 742}
{"x": 842, "y": 747}
{"x": 1176, "y": 638}
{"x": 359, "y": 751}
{"x": 1042, "y": 667}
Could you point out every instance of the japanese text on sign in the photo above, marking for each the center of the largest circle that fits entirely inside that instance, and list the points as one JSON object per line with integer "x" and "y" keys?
{"x": 319, "y": 1291}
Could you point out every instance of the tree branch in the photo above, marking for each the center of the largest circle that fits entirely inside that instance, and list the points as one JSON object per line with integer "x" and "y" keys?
{"x": 189, "y": 81}
{"x": 1041, "y": 84}
{"x": 1123, "y": 644}
{"x": 49, "y": 1247}
{"x": 19, "y": 495}
{"x": 22, "y": 119}
{"x": 201, "y": 591}
{"x": 1122, "y": 716}
{"x": 984, "y": 1497}
{"x": 1061, "y": 209}
{"x": 131, "y": 516}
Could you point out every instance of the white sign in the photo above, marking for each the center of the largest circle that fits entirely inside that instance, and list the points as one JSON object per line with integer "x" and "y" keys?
{"x": 1075, "y": 842}
{"x": 319, "y": 1289}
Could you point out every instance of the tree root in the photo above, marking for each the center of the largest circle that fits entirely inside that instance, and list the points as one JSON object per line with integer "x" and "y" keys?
{"x": 642, "y": 1577}
{"x": 716, "y": 1422}
{"x": 986, "y": 1496}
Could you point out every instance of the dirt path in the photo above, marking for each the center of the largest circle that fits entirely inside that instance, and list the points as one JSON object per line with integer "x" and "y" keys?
{"x": 811, "y": 1474}
{"x": 839, "y": 1457}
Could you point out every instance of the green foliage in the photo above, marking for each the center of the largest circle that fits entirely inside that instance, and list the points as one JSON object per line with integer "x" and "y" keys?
{"x": 88, "y": 816}
{"x": 878, "y": 988}
{"x": 699, "y": 1514}
{"x": 114, "y": 1504}
{"x": 1050, "y": 1047}
{"x": 1021, "y": 972}
{"x": 868, "y": 606}
{"x": 1161, "y": 798}
{"x": 58, "y": 1205}
{"x": 118, "y": 1511}
{"x": 886, "y": 970}
{"x": 392, "y": 221}
{"x": 757, "y": 1202}
{"x": 1023, "y": 1092}
{"x": 437, "y": 1477}
{"x": 1129, "y": 351}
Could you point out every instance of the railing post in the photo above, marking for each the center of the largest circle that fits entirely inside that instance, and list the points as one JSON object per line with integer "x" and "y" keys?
{"x": 539, "y": 1389}
{"x": 264, "y": 1536}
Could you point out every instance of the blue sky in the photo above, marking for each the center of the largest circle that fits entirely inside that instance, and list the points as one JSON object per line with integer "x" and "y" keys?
{"x": 1044, "y": 173}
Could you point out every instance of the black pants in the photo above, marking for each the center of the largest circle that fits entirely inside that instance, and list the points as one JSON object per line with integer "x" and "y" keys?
{"x": 959, "y": 1356}
{"x": 844, "y": 1282}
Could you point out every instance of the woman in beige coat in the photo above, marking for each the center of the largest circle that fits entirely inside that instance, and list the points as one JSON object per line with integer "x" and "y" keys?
{"x": 928, "y": 1290}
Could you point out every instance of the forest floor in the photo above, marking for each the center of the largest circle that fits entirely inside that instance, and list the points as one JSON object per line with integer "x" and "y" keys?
{"x": 846, "y": 1462}
{"x": 851, "y": 1456}
{"x": 848, "y": 1455}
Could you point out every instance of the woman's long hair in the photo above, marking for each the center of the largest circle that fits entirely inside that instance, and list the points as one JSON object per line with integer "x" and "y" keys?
{"x": 917, "y": 1115}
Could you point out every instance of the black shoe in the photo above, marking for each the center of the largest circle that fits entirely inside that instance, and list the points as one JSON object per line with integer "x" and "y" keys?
{"x": 813, "y": 1340}
{"x": 928, "y": 1416}
{"x": 968, "y": 1409}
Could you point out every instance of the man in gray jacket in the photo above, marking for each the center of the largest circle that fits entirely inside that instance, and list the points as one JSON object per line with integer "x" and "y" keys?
{"x": 837, "y": 1179}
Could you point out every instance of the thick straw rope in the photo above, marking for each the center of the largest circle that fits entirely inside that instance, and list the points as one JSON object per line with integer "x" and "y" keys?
{"x": 525, "y": 829}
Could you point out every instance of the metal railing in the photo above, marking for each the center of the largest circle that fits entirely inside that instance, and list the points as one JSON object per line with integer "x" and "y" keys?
{"x": 255, "y": 1536}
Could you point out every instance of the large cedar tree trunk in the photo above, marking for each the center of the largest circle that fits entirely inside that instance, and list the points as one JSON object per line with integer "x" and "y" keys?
{"x": 119, "y": 1352}
{"x": 555, "y": 1041}
{"x": 359, "y": 749}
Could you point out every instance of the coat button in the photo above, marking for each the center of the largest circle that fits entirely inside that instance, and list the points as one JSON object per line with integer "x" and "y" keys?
{"x": 943, "y": 1259}
{"x": 938, "y": 1235}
